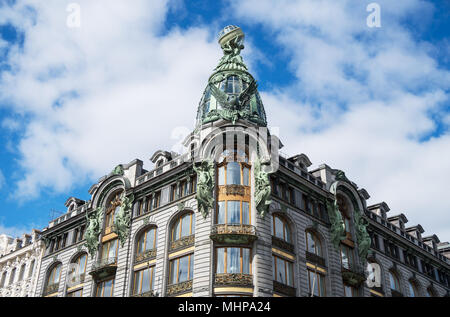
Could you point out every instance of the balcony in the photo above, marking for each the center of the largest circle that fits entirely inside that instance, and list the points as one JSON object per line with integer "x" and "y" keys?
{"x": 233, "y": 234}
{"x": 104, "y": 268}
{"x": 353, "y": 275}
{"x": 145, "y": 256}
{"x": 284, "y": 289}
{"x": 233, "y": 279}
{"x": 180, "y": 288}
{"x": 51, "y": 289}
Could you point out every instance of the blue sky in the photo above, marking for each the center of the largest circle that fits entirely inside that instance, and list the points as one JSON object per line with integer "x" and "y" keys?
{"x": 75, "y": 102}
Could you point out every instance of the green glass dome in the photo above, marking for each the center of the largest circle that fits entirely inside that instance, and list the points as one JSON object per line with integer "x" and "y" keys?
{"x": 231, "y": 93}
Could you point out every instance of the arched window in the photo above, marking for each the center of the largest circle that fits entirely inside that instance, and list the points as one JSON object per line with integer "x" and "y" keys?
{"x": 147, "y": 241}
{"x": 412, "y": 289}
{"x": 111, "y": 211}
{"x": 77, "y": 272}
{"x": 144, "y": 268}
{"x": 430, "y": 292}
{"x": 181, "y": 254}
{"x": 184, "y": 226}
{"x": 313, "y": 244}
{"x": 52, "y": 281}
{"x": 393, "y": 281}
{"x": 344, "y": 208}
{"x": 281, "y": 229}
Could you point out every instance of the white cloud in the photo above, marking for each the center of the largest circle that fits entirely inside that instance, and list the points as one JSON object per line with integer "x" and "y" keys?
{"x": 362, "y": 100}
{"x": 15, "y": 231}
{"x": 106, "y": 93}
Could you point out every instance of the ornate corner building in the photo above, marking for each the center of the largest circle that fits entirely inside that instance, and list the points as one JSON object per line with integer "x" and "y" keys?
{"x": 233, "y": 217}
{"x": 19, "y": 264}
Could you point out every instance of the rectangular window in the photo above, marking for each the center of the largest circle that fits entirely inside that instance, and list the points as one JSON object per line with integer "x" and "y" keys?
{"x": 283, "y": 271}
{"x": 144, "y": 280}
{"x": 233, "y": 260}
{"x": 346, "y": 257}
{"x": 245, "y": 213}
{"x": 316, "y": 284}
{"x": 105, "y": 288}
{"x": 221, "y": 212}
{"x": 165, "y": 196}
{"x": 233, "y": 212}
{"x": 181, "y": 269}
{"x": 156, "y": 200}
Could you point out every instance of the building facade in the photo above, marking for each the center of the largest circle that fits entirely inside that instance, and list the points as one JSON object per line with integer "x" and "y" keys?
{"x": 19, "y": 264}
{"x": 233, "y": 217}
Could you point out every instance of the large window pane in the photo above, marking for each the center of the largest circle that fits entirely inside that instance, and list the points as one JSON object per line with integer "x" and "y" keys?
{"x": 289, "y": 275}
{"x": 176, "y": 230}
{"x": 185, "y": 225}
{"x": 233, "y": 173}
{"x": 246, "y": 261}
{"x": 245, "y": 175}
{"x": 233, "y": 260}
{"x": 146, "y": 280}
{"x": 233, "y": 212}
{"x": 183, "y": 269}
{"x": 281, "y": 271}
{"x": 173, "y": 271}
{"x": 191, "y": 267}
{"x": 220, "y": 260}
{"x": 222, "y": 175}
{"x": 278, "y": 228}
{"x": 137, "y": 282}
{"x": 245, "y": 213}
{"x": 221, "y": 212}
{"x": 150, "y": 239}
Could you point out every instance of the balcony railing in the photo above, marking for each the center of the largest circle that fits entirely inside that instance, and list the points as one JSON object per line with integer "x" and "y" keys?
{"x": 284, "y": 289}
{"x": 233, "y": 279}
{"x": 353, "y": 275}
{"x": 104, "y": 268}
{"x": 146, "y": 294}
{"x": 51, "y": 289}
{"x": 314, "y": 258}
{"x": 180, "y": 288}
{"x": 233, "y": 233}
{"x": 144, "y": 256}
{"x": 282, "y": 244}
{"x": 182, "y": 243}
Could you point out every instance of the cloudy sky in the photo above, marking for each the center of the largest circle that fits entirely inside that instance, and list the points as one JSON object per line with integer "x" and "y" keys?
{"x": 77, "y": 101}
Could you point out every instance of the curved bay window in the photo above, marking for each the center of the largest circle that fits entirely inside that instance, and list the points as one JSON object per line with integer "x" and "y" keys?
{"x": 77, "y": 274}
{"x": 233, "y": 267}
{"x": 52, "y": 280}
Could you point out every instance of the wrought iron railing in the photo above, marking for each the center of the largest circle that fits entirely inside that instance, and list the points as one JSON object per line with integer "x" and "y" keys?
{"x": 182, "y": 243}
{"x": 146, "y": 255}
{"x": 233, "y": 229}
{"x": 104, "y": 263}
{"x": 179, "y": 288}
{"x": 233, "y": 279}
{"x": 284, "y": 289}
{"x": 51, "y": 289}
{"x": 282, "y": 244}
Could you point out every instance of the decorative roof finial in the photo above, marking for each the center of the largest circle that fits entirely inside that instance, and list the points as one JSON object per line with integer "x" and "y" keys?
{"x": 231, "y": 39}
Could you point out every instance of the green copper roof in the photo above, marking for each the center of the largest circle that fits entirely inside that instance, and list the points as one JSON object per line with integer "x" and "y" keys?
{"x": 231, "y": 93}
